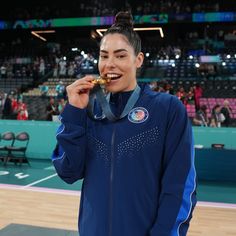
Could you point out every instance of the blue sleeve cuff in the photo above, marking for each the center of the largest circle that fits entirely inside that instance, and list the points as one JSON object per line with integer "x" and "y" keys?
{"x": 74, "y": 115}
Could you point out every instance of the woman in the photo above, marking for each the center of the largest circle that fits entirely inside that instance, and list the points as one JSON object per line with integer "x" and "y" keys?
{"x": 226, "y": 110}
{"x": 198, "y": 92}
{"x": 22, "y": 112}
{"x": 216, "y": 116}
{"x": 135, "y": 155}
{"x": 201, "y": 118}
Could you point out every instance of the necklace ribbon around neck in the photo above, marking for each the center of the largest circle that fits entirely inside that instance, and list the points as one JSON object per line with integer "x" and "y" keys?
{"x": 104, "y": 100}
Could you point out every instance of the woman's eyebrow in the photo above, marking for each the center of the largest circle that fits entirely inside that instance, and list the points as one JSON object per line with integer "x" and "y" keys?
{"x": 120, "y": 50}
{"x": 104, "y": 51}
{"x": 116, "y": 51}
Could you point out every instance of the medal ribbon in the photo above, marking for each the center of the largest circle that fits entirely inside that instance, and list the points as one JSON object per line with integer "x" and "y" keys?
{"x": 105, "y": 106}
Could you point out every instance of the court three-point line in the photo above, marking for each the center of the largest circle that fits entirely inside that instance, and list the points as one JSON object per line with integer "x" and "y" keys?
{"x": 39, "y": 181}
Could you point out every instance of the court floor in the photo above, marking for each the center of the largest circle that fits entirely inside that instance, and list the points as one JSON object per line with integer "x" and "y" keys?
{"x": 40, "y": 173}
{"x": 41, "y": 176}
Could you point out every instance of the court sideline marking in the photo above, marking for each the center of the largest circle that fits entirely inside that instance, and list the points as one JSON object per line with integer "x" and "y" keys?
{"x": 41, "y": 189}
{"x": 39, "y": 181}
{"x": 217, "y": 205}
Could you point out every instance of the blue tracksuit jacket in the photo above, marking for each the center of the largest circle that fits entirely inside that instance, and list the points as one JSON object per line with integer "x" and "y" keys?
{"x": 138, "y": 172}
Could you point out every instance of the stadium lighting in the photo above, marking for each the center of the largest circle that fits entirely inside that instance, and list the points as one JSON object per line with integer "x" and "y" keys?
{"x": 37, "y": 32}
{"x": 38, "y": 36}
{"x": 74, "y": 49}
{"x": 100, "y": 31}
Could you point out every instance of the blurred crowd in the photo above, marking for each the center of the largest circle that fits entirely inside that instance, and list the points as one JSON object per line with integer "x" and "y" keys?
{"x": 13, "y": 107}
{"x": 74, "y": 8}
{"x": 26, "y": 57}
{"x": 219, "y": 116}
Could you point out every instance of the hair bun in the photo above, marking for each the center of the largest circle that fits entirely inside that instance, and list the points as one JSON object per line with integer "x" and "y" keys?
{"x": 124, "y": 18}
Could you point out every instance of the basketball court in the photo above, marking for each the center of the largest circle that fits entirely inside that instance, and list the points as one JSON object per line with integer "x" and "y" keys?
{"x": 35, "y": 201}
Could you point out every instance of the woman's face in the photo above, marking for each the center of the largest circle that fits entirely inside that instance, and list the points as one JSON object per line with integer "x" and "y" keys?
{"x": 217, "y": 110}
{"x": 118, "y": 61}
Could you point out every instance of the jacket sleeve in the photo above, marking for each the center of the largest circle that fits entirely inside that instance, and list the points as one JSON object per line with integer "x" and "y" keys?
{"x": 178, "y": 183}
{"x": 68, "y": 156}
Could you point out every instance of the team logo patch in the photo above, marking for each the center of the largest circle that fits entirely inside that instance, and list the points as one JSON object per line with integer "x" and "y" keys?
{"x": 138, "y": 115}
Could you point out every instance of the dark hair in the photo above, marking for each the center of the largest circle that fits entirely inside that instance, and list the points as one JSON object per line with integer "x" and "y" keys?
{"x": 215, "y": 107}
{"x": 124, "y": 25}
{"x": 203, "y": 108}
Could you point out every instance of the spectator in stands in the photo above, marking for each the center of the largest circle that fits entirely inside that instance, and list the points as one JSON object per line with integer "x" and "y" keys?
{"x": 226, "y": 111}
{"x": 51, "y": 109}
{"x": 198, "y": 92}
{"x": 14, "y": 104}
{"x": 61, "y": 105}
{"x": 62, "y": 67}
{"x": 60, "y": 90}
{"x": 216, "y": 116}
{"x": 22, "y": 112}
{"x": 44, "y": 90}
{"x": 71, "y": 69}
{"x": 41, "y": 67}
{"x": 18, "y": 94}
{"x": 55, "y": 71}
{"x": 168, "y": 88}
{"x": 190, "y": 96}
{"x": 181, "y": 94}
{"x": 7, "y": 112}
{"x": 153, "y": 85}
{"x": 147, "y": 141}
{"x": 201, "y": 118}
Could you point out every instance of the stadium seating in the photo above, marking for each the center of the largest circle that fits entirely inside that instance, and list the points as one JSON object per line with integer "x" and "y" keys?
{"x": 7, "y": 140}
{"x": 17, "y": 151}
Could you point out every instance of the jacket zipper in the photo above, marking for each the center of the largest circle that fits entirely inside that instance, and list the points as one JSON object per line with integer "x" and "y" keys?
{"x": 111, "y": 179}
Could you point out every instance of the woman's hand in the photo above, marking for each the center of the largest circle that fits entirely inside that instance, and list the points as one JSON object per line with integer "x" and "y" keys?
{"x": 78, "y": 92}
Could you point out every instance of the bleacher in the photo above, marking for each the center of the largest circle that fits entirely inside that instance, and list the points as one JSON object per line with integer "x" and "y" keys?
{"x": 9, "y": 84}
{"x": 174, "y": 58}
{"x": 210, "y": 103}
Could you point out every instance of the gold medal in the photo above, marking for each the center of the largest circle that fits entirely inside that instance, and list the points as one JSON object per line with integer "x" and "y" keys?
{"x": 101, "y": 80}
